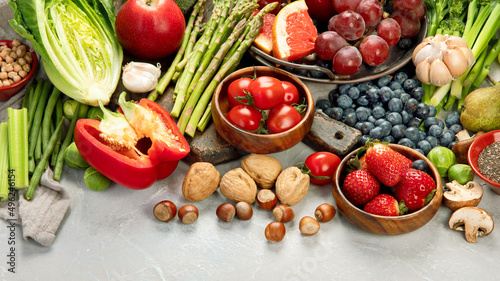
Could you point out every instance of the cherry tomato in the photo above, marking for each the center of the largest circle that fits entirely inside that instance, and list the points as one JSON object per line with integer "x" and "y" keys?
{"x": 267, "y": 92}
{"x": 291, "y": 93}
{"x": 245, "y": 117}
{"x": 322, "y": 164}
{"x": 282, "y": 117}
{"x": 237, "y": 88}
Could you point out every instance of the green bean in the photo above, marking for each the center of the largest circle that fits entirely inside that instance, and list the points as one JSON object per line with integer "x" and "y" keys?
{"x": 40, "y": 168}
{"x": 34, "y": 102}
{"x": 66, "y": 142}
{"x": 27, "y": 96}
{"x": 38, "y": 146}
{"x": 47, "y": 117}
{"x": 58, "y": 115}
{"x": 37, "y": 121}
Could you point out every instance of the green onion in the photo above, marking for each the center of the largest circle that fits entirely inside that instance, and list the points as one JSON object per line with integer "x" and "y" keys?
{"x": 18, "y": 146}
{"x": 4, "y": 162}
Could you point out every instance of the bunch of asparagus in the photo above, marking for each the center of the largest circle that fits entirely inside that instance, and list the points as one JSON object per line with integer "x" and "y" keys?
{"x": 209, "y": 51}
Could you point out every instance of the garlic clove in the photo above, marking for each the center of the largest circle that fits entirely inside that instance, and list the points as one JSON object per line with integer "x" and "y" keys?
{"x": 140, "y": 77}
{"x": 456, "y": 62}
{"x": 455, "y": 41}
{"x": 422, "y": 70}
{"x": 439, "y": 73}
{"x": 428, "y": 52}
{"x": 417, "y": 50}
{"x": 467, "y": 52}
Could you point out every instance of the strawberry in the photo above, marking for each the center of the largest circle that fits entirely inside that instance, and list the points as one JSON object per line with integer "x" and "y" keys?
{"x": 384, "y": 163}
{"x": 415, "y": 189}
{"x": 384, "y": 205}
{"x": 360, "y": 186}
{"x": 404, "y": 161}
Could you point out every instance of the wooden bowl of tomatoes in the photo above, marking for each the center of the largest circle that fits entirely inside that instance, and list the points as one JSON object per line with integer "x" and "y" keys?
{"x": 384, "y": 224}
{"x": 262, "y": 109}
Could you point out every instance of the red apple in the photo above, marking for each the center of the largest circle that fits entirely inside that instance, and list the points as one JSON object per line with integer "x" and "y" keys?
{"x": 150, "y": 29}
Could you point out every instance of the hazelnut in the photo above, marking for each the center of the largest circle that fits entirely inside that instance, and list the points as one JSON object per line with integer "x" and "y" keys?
{"x": 165, "y": 211}
{"x": 275, "y": 231}
{"x": 262, "y": 168}
{"x": 308, "y": 226}
{"x": 200, "y": 182}
{"x": 283, "y": 213}
{"x": 236, "y": 185}
{"x": 266, "y": 199}
{"x": 188, "y": 214}
{"x": 325, "y": 212}
{"x": 244, "y": 211}
{"x": 225, "y": 212}
{"x": 292, "y": 186}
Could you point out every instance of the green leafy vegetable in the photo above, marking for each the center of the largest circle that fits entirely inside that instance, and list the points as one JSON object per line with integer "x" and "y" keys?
{"x": 77, "y": 42}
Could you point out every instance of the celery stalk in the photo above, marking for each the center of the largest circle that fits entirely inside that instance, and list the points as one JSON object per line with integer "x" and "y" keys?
{"x": 18, "y": 146}
{"x": 4, "y": 162}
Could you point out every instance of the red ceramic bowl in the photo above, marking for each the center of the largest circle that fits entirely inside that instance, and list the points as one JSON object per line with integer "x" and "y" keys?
{"x": 9, "y": 91}
{"x": 473, "y": 154}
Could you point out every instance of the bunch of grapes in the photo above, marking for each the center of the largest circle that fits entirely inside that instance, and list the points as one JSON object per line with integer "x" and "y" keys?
{"x": 360, "y": 31}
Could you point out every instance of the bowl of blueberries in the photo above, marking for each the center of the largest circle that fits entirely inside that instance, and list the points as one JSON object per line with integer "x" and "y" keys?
{"x": 391, "y": 109}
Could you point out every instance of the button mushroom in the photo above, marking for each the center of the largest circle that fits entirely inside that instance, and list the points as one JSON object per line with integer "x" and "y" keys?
{"x": 462, "y": 146}
{"x": 458, "y": 196}
{"x": 473, "y": 220}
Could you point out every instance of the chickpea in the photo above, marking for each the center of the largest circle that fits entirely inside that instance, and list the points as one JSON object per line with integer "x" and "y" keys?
{"x": 11, "y": 74}
{"x": 16, "y": 42}
{"x": 16, "y": 78}
{"x": 8, "y": 68}
{"x": 4, "y": 54}
{"x": 13, "y": 55}
{"x": 17, "y": 67}
{"x": 9, "y": 59}
{"x": 20, "y": 53}
{"x": 3, "y": 75}
{"x": 27, "y": 67}
{"x": 28, "y": 58}
{"x": 21, "y": 61}
{"x": 5, "y": 83}
{"x": 23, "y": 73}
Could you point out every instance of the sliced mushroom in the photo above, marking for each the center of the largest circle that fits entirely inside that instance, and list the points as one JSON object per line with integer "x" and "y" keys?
{"x": 473, "y": 220}
{"x": 458, "y": 196}
{"x": 461, "y": 148}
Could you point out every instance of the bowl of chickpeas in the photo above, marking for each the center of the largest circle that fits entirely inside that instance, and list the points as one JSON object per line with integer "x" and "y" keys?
{"x": 18, "y": 63}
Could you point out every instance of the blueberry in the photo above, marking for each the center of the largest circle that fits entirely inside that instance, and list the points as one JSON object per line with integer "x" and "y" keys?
{"x": 422, "y": 135}
{"x": 362, "y": 101}
{"x": 413, "y": 122}
{"x": 429, "y": 121}
{"x": 432, "y": 111}
{"x": 379, "y": 121}
{"x": 366, "y": 127}
{"x": 349, "y": 111}
{"x": 344, "y": 88}
{"x": 410, "y": 84}
{"x": 358, "y": 125}
{"x": 323, "y": 104}
{"x": 384, "y": 81}
{"x": 419, "y": 150}
{"x": 455, "y": 128}
{"x": 362, "y": 113}
{"x": 451, "y": 144}
{"x": 372, "y": 95}
{"x": 363, "y": 139}
{"x": 395, "y": 105}
{"x": 399, "y": 92}
{"x": 435, "y": 131}
{"x": 301, "y": 72}
{"x": 350, "y": 119}
{"x": 411, "y": 105}
{"x": 335, "y": 113}
{"x": 395, "y": 118}
{"x": 353, "y": 93}
{"x": 378, "y": 112}
{"x": 452, "y": 118}
{"x": 372, "y": 119}
{"x": 422, "y": 111}
{"x": 412, "y": 133}
{"x": 441, "y": 123}
{"x": 389, "y": 139}
{"x": 333, "y": 95}
{"x": 446, "y": 137}
{"x": 420, "y": 165}
{"x": 400, "y": 77}
{"x": 395, "y": 85}
{"x": 425, "y": 146}
{"x": 432, "y": 141}
{"x": 398, "y": 131}
{"x": 289, "y": 69}
{"x": 317, "y": 74}
{"x": 406, "y": 142}
{"x": 386, "y": 94}
{"x": 406, "y": 116}
{"x": 344, "y": 101}
{"x": 404, "y": 43}
{"x": 378, "y": 103}
{"x": 363, "y": 87}
{"x": 417, "y": 93}
{"x": 386, "y": 127}
{"x": 405, "y": 98}
{"x": 376, "y": 133}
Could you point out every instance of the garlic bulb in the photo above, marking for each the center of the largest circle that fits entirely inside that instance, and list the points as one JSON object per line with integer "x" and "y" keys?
{"x": 440, "y": 59}
{"x": 140, "y": 77}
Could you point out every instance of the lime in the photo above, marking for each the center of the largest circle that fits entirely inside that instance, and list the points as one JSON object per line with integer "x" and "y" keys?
{"x": 94, "y": 180}
{"x": 73, "y": 158}
{"x": 462, "y": 173}
{"x": 443, "y": 158}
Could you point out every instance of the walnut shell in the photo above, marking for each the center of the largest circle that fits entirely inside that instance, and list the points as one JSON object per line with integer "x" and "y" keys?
{"x": 236, "y": 185}
{"x": 200, "y": 182}
{"x": 262, "y": 168}
{"x": 292, "y": 186}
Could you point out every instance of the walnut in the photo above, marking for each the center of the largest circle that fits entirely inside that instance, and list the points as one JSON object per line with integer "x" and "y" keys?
{"x": 201, "y": 181}
{"x": 263, "y": 169}
{"x": 292, "y": 186}
{"x": 236, "y": 185}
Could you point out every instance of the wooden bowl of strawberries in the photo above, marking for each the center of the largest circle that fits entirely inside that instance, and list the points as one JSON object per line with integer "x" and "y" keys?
{"x": 379, "y": 189}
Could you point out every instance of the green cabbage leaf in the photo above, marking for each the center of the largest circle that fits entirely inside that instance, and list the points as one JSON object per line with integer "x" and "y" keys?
{"x": 77, "y": 42}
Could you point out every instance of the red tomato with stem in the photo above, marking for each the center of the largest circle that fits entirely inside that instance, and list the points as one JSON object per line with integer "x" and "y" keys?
{"x": 238, "y": 88}
{"x": 245, "y": 117}
{"x": 322, "y": 164}
{"x": 291, "y": 93}
{"x": 267, "y": 92}
{"x": 282, "y": 117}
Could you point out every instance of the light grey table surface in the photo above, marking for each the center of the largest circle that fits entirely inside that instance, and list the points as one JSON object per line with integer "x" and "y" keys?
{"x": 112, "y": 235}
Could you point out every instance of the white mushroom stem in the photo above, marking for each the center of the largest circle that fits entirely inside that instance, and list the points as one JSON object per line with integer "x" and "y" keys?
{"x": 473, "y": 220}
